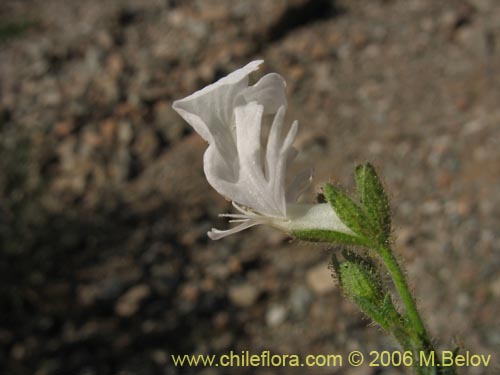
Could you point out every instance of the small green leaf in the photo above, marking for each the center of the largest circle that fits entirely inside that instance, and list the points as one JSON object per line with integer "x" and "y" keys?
{"x": 361, "y": 282}
{"x": 349, "y": 212}
{"x": 374, "y": 201}
{"x": 365, "y": 275}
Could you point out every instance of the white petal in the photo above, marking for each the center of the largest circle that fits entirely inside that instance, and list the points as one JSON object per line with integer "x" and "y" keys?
{"x": 222, "y": 173}
{"x": 274, "y": 143}
{"x": 269, "y": 91}
{"x": 209, "y": 111}
{"x": 248, "y": 120}
{"x": 286, "y": 152}
{"x": 290, "y": 137}
{"x": 228, "y": 114}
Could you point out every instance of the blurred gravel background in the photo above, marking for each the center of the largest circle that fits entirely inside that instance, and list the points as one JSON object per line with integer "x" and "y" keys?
{"x": 104, "y": 261}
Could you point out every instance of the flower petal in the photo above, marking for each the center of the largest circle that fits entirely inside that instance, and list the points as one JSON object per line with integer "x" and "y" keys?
{"x": 209, "y": 111}
{"x": 290, "y": 137}
{"x": 286, "y": 153}
{"x": 222, "y": 173}
{"x": 269, "y": 92}
{"x": 274, "y": 143}
{"x": 248, "y": 120}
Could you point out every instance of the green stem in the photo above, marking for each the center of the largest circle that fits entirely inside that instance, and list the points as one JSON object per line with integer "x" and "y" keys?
{"x": 418, "y": 339}
{"x": 403, "y": 290}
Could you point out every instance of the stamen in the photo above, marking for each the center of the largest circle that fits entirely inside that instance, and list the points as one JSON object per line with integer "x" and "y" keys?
{"x": 235, "y": 216}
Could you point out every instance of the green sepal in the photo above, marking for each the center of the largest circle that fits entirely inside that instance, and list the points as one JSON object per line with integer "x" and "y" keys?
{"x": 390, "y": 311}
{"x": 321, "y": 235}
{"x": 361, "y": 282}
{"x": 374, "y": 201}
{"x": 350, "y": 213}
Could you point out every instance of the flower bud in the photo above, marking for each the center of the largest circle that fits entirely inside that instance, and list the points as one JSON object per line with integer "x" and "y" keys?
{"x": 361, "y": 282}
{"x": 374, "y": 201}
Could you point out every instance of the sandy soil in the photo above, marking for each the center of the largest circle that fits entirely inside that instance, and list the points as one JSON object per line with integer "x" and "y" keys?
{"x": 104, "y": 209}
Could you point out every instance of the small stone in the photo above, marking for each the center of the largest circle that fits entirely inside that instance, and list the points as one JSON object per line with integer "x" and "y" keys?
{"x": 104, "y": 39}
{"x": 162, "y": 270}
{"x": 104, "y": 90}
{"x": 431, "y": 207}
{"x": 221, "y": 320}
{"x": 372, "y": 51}
{"x": 129, "y": 303}
{"x": 404, "y": 237}
{"x": 495, "y": 287}
{"x": 276, "y": 238}
{"x": 375, "y": 147}
{"x": 159, "y": 357}
{"x": 115, "y": 65}
{"x": 124, "y": 132}
{"x": 169, "y": 123}
{"x": 359, "y": 38}
{"x": 190, "y": 292}
{"x": 319, "y": 279}
{"x": 473, "y": 126}
{"x": 300, "y": 300}
{"x": 149, "y": 326}
{"x": 107, "y": 129}
{"x": 222, "y": 342}
{"x": 234, "y": 265}
{"x": 87, "y": 294}
{"x": 145, "y": 145}
{"x": 275, "y": 315}
{"x": 18, "y": 352}
{"x": 51, "y": 97}
{"x": 243, "y": 295}
{"x": 63, "y": 128}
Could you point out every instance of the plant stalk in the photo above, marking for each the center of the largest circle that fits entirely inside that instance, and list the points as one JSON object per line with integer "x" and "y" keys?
{"x": 418, "y": 339}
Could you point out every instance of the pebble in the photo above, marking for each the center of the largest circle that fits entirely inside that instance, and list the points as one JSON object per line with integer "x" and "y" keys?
{"x": 300, "y": 300}
{"x": 243, "y": 295}
{"x": 160, "y": 357}
{"x": 275, "y": 315}
{"x": 319, "y": 279}
{"x": 431, "y": 207}
{"x": 129, "y": 303}
{"x": 18, "y": 352}
{"x": 437, "y": 108}
{"x": 495, "y": 287}
{"x": 145, "y": 145}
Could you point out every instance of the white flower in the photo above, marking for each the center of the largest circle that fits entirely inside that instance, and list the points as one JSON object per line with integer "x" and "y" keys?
{"x": 228, "y": 114}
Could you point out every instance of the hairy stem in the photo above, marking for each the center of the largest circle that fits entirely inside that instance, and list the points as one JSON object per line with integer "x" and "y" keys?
{"x": 418, "y": 339}
{"x": 404, "y": 292}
